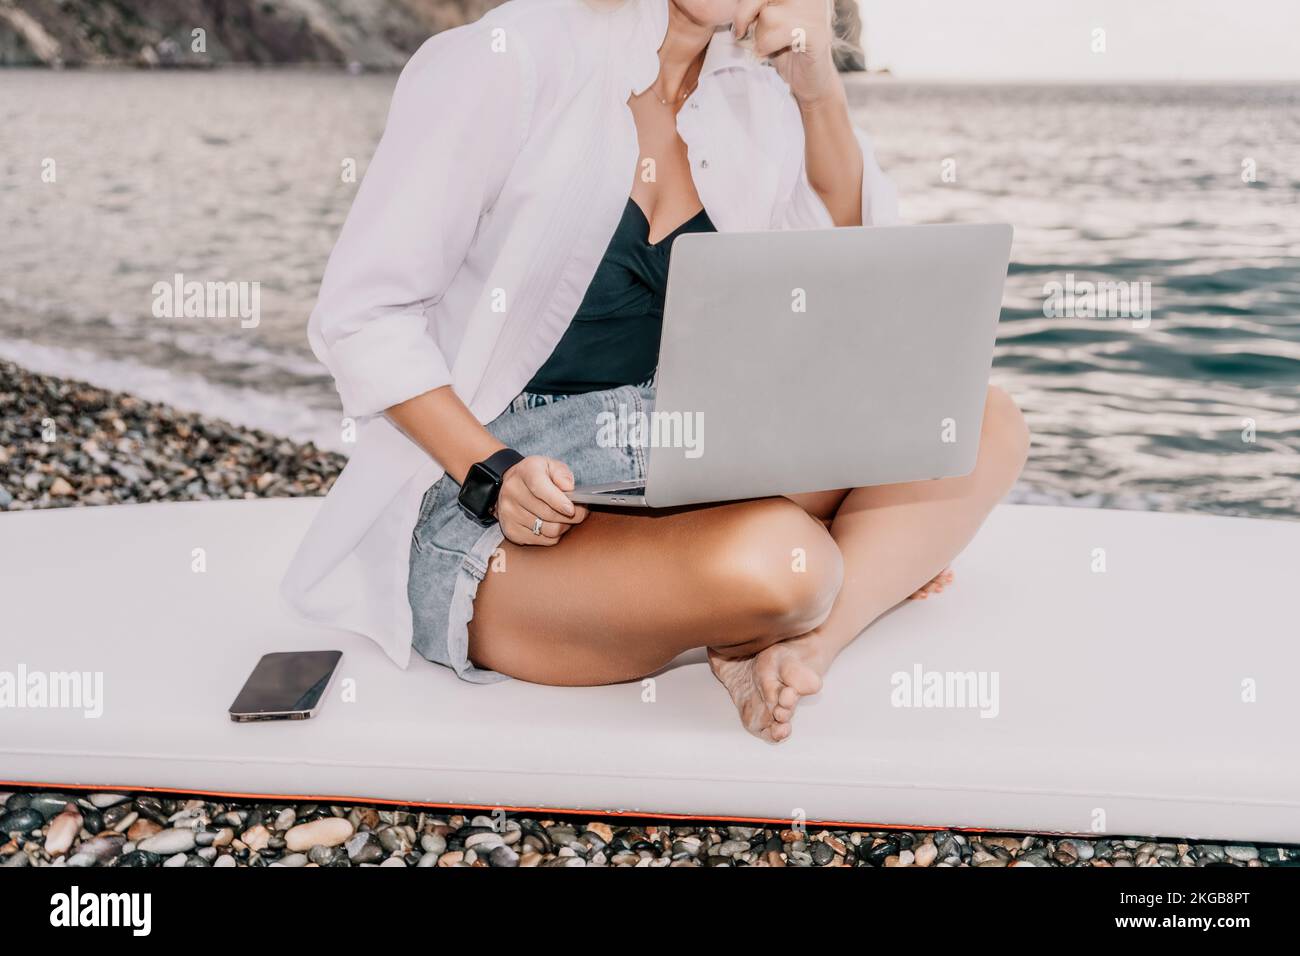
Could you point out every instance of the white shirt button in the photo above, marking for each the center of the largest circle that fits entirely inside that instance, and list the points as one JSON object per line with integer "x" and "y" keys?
{"x": 704, "y": 164}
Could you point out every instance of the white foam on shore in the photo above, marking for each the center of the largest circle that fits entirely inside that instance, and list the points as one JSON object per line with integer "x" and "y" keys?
{"x": 249, "y": 408}
{"x": 244, "y": 407}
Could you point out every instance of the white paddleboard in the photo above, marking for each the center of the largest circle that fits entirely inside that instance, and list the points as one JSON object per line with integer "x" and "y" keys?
{"x": 1088, "y": 672}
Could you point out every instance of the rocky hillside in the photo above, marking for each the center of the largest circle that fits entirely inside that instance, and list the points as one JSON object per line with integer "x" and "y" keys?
{"x": 373, "y": 34}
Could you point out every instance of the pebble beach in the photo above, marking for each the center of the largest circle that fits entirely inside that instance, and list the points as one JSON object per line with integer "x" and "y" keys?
{"x": 65, "y": 443}
{"x": 115, "y": 829}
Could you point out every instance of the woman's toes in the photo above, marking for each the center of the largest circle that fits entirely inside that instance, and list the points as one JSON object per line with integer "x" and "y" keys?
{"x": 799, "y": 678}
{"x": 933, "y": 586}
{"x": 769, "y": 685}
{"x": 786, "y": 701}
{"x": 738, "y": 676}
{"x": 786, "y": 678}
{"x": 767, "y": 688}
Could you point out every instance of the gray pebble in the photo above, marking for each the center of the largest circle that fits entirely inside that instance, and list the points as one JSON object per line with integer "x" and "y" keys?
{"x": 102, "y": 801}
{"x": 322, "y": 855}
{"x": 433, "y": 843}
{"x": 562, "y": 836}
{"x": 483, "y": 841}
{"x": 22, "y": 820}
{"x": 502, "y": 855}
{"x": 394, "y": 840}
{"x": 364, "y": 848}
{"x": 98, "y": 851}
{"x": 1081, "y": 849}
{"x": 823, "y": 853}
{"x": 168, "y": 842}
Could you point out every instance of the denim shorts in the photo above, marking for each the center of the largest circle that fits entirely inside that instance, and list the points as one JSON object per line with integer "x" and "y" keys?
{"x": 451, "y": 552}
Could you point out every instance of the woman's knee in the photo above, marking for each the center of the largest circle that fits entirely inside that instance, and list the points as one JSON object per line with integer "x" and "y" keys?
{"x": 780, "y": 563}
{"x": 1004, "y": 441}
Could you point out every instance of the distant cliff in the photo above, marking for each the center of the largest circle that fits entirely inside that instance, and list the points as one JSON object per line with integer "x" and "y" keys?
{"x": 371, "y": 34}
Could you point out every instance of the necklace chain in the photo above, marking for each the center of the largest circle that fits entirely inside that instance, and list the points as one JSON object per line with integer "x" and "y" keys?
{"x": 681, "y": 96}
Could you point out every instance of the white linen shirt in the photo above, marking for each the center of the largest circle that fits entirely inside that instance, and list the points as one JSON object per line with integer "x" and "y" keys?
{"x": 507, "y": 160}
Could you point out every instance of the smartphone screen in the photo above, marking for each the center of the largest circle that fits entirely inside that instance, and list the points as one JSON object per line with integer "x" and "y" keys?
{"x": 286, "y": 685}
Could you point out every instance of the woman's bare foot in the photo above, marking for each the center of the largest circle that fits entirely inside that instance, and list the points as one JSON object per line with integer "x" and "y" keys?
{"x": 767, "y": 687}
{"x": 788, "y": 672}
{"x": 933, "y": 586}
{"x": 736, "y": 674}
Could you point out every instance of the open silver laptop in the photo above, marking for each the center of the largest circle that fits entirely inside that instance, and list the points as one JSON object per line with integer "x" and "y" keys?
{"x": 808, "y": 360}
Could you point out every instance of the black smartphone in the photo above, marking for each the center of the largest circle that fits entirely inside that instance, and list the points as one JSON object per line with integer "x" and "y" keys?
{"x": 286, "y": 685}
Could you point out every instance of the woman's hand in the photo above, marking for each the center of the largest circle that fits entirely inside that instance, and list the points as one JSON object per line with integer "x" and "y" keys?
{"x": 796, "y": 35}
{"x": 532, "y": 489}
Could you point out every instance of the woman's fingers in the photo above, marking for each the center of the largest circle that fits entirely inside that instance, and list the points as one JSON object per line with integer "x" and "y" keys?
{"x": 533, "y": 508}
{"x": 559, "y": 473}
{"x": 547, "y": 480}
{"x": 545, "y": 539}
{"x": 538, "y": 485}
{"x": 542, "y": 509}
{"x": 532, "y": 490}
{"x": 747, "y": 12}
{"x": 524, "y": 537}
{"x": 517, "y": 523}
{"x": 782, "y": 24}
{"x": 776, "y": 32}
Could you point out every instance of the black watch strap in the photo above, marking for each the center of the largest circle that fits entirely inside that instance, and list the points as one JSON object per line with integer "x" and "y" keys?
{"x": 502, "y": 461}
{"x": 478, "y": 495}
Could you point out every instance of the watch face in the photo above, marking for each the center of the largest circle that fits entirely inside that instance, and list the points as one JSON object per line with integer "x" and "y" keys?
{"x": 479, "y": 492}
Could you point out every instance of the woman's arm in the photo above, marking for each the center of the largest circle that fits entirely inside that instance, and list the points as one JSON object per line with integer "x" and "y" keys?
{"x": 454, "y": 128}
{"x": 797, "y": 36}
{"x": 456, "y": 123}
{"x": 439, "y": 422}
{"x": 832, "y": 156}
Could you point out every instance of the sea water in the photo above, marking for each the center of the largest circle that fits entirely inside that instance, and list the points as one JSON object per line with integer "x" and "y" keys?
{"x": 111, "y": 182}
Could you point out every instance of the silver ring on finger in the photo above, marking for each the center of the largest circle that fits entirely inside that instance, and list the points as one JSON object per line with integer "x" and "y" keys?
{"x": 537, "y": 525}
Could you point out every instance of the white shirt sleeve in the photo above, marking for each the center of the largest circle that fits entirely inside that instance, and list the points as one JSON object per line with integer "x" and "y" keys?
{"x": 805, "y": 209}
{"x": 457, "y": 120}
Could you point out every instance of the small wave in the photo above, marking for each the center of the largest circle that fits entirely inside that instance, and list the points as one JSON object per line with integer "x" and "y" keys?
{"x": 289, "y": 417}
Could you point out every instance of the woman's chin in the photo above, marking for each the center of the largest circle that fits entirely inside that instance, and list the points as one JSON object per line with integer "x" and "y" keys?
{"x": 715, "y": 13}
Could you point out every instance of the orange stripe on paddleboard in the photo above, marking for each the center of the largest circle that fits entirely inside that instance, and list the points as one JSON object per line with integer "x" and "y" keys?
{"x": 559, "y": 811}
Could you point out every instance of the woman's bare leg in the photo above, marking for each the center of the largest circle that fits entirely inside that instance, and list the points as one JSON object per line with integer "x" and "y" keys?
{"x": 625, "y": 592}
{"x": 896, "y": 542}
{"x": 758, "y": 583}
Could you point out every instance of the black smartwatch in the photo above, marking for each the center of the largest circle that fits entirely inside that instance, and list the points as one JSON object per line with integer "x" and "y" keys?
{"x": 478, "y": 495}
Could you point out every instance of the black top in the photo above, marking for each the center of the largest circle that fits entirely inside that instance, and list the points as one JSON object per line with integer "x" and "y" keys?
{"x": 613, "y": 339}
